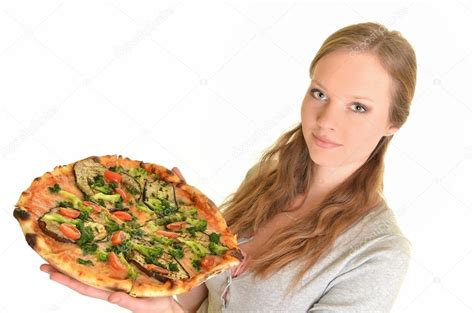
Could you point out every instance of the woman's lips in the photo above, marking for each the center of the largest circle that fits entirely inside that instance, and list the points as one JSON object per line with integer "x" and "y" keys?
{"x": 323, "y": 144}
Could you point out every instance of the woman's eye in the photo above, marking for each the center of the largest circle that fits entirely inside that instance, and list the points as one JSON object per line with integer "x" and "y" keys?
{"x": 359, "y": 107}
{"x": 319, "y": 94}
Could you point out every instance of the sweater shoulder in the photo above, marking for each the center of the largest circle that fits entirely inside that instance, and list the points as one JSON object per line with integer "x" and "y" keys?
{"x": 380, "y": 225}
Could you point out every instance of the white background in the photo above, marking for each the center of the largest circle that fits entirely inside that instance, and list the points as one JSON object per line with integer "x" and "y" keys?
{"x": 207, "y": 87}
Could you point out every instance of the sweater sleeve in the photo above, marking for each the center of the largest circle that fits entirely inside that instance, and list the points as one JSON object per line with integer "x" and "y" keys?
{"x": 371, "y": 280}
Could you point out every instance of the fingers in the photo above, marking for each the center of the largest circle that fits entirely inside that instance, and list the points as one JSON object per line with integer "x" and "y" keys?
{"x": 178, "y": 172}
{"x": 159, "y": 304}
{"x": 47, "y": 268}
{"x": 154, "y": 304}
{"x": 74, "y": 284}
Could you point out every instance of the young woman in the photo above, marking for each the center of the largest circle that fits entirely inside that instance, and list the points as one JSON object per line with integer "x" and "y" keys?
{"x": 313, "y": 224}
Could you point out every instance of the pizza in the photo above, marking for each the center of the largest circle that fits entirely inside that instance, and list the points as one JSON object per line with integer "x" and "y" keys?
{"x": 124, "y": 225}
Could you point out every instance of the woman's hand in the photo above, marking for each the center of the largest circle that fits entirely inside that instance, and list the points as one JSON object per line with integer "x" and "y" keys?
{"x": 137, "y": 305}
{"x": 178, "y": 172}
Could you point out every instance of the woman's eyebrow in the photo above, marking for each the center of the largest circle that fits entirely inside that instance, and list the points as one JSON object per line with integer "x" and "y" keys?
{"x": 363, "y": 98}
{"x": 318, "y": 83}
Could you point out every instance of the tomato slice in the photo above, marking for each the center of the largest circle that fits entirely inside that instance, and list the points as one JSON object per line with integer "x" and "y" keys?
{"x": 155, "y": 268}
{"x": 114, "y": 261}
{"x": 122, "y": 193}
{"x": 71, "y": 213}
{"x": 124, "y": 216}
{"x": 118, "y": 237}
{"x": 94, "y": 206}
{"x": 112, "y": 176}
{"x": 208, "y": 261}
{"x": 168, "y": 234}
{"x": 176, "y": 225}
{"x": 70, "y": 231}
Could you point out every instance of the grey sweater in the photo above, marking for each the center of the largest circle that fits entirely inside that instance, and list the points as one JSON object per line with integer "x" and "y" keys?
{"x": 363, "y": 272}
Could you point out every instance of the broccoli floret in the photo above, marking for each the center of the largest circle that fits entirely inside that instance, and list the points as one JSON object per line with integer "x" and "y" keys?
{"x": 154, "y": 204}
{"x": 86, "y": 242}
{"x": 190, "y": 212}
{"x": 147, "y": 251}
{"x": 176, "y": 252}
{"x": 163, "y": 240}
{"x": 76, "y": 202}
{"x": 198, "y": 249}
{"x": 200, "y": 225}
{"x": 173, "y": 267}
{"x": 55, "y": 217}
{"x": 116, "y": 168}
{"x": 124, "y": 248}
{"x": 112, "y": 226}
{"x": 101, "y": 255}
{"x": 110, "y": 198}
{"x": 137, "y": 172}
{"x": 64, "y": 204}
{"x": 132, "y": 273}
{"x": 98, "y": 183}
{"x": 84, "y": 262}
{"x": 54, "y": 189}
{"x": 197, "y": 265}
{"x": 214, "y": 237}
{"x": 217, "y": 248}
{"x": 142, "y": 207}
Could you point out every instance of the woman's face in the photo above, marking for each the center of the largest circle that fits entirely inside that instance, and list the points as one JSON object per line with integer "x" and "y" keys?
{"x": 347, "y": 103}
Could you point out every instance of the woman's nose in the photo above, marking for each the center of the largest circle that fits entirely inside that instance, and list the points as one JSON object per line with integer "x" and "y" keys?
{"x": 328, "y": 116}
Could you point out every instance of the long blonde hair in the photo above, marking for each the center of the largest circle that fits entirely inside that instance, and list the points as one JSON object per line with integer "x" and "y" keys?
{"x": 270, "y": 189}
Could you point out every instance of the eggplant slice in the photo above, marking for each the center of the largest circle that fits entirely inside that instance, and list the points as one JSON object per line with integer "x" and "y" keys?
{"x": 139, "y": 261}
{"x": 86, "y": 170}
{"x": 131, "y": 185}
{"x": 160, "y": 189}
{"x": 51, "y": 228}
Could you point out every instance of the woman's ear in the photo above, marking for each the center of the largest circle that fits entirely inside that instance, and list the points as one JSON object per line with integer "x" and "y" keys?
{"x": 391, "y": 131}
